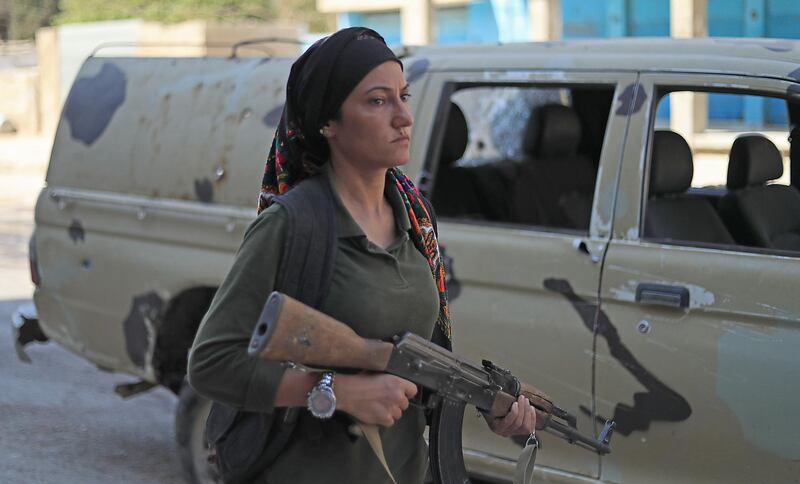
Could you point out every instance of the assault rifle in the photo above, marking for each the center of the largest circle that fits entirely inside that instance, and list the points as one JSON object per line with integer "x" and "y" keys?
{"x": 289, "y": 330}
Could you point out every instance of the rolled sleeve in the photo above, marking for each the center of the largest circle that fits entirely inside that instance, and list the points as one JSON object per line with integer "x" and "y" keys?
{"x": 219, "y": 366}
{"x": 263, "y": 385}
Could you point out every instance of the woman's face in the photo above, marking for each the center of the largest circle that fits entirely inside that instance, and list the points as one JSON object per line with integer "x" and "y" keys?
{"x": 374, "y": 130}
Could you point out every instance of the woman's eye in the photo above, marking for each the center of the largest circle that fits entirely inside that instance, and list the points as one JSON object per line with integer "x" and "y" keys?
{"x": 376, "y": 101}
{"x": 405, "y": 97}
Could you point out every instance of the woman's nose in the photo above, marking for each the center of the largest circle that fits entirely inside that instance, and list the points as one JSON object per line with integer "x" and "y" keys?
{"x": 403, "y": 117}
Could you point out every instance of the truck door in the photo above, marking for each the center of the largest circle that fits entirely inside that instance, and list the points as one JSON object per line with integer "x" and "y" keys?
{"x": 699, "y": 328}
{"x": 521, "y": 167}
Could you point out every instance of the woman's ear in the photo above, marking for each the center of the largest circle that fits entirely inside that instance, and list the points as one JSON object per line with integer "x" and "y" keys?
{"x": 330, "y": 129}
{"x": 327, "y": 130}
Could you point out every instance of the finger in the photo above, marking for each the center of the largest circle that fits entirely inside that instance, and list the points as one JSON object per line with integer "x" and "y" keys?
{"x": 527, "y": 421}
{"x": 498, "y": 431}
{"x": 520, "y": 417}
{"x": 388, "y": 421}
{"x": 404, "y": 404}
{"x": 397, "y": 412}
{"x": 506, "y": 423}
{"x": 409, "y": 389}
{"x": 496, "y": 425}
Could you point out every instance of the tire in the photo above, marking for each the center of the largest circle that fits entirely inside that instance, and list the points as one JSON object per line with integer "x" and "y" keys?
{"x": 190, "y": 423}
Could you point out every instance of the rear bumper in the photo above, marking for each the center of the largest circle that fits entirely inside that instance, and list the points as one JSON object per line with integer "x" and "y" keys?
{"x": 26, "y": 329}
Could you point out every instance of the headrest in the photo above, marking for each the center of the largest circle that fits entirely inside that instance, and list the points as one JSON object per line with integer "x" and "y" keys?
{"x": 455, "y": 136}
{"x": 553, "y": 130}
{"x": 754, "y": 160}
{"x": 671, "y": 168}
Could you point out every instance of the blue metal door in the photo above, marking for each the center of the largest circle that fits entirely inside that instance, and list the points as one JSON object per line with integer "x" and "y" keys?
{"x": 751, "y": 18}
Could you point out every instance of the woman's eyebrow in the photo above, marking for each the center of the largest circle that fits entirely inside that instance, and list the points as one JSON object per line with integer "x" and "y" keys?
{"x": 386, "y": 88}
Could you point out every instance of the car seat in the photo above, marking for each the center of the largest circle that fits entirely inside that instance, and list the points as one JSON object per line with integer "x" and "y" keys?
{"x": 556, "y": 184}
{"x": 758, "y": 213}
{"x": 454, "y": 193}
{"x": 672, "y": 213}
{"x": 477, "y": 192}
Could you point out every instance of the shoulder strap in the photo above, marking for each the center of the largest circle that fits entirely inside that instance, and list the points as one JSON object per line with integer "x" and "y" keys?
{"x": 306, "y": 268}
{"x": 304, "y": 273}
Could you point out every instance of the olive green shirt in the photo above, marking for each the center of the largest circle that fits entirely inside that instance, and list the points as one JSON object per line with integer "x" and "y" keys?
{"x": 378, "y": 292}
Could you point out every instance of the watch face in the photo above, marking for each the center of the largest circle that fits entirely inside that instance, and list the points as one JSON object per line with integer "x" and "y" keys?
{"x": 321, "y": 402}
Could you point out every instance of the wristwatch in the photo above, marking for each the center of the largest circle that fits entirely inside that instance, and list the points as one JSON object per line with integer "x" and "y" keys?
{"x": 321, "y": 400}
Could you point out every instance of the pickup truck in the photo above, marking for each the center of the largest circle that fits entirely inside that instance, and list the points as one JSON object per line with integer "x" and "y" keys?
{"x": 594, "y": 247}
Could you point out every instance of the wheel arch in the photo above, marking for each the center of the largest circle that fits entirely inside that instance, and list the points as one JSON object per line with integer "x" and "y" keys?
{"x": 175, "y": 335}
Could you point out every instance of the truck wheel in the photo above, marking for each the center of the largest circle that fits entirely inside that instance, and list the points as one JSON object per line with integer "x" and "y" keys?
{"x": 190, "y": 424}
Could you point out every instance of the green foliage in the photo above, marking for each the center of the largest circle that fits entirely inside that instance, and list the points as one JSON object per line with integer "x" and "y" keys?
{"x": 167, "y": 11}
{"x": 170, "y": 11}
{"x": 21, "y": 18}
{"x": 304, "y": 11}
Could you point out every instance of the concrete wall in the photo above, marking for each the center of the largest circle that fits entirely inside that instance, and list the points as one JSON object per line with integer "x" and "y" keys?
{"x": 186, "y": 39}
{"x": 19, "y": 87}
{"x": 49, "y": 79}
{"x": 19, "y": 102}
{"x": 202, "y": 38}
{"x": 229, "y": 34}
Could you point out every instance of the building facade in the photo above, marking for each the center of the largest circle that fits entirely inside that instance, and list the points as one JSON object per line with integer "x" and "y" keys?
{"x": 459, "y": 21}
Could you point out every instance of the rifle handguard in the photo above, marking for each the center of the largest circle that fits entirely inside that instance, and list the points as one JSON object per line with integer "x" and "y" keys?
{"x": 541, "y": 406}
{"x": 541, "y": 402}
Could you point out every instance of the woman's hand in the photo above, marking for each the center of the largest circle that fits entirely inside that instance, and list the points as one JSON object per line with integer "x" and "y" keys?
{"x": 520, "y": 420}
{"x": 377, "y": 399}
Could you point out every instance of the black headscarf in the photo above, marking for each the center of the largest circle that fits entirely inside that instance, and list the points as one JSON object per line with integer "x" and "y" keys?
{"x": 319, "y": 82}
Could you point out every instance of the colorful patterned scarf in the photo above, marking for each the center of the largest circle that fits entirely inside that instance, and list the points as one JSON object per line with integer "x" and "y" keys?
{"x": 425, "y": 241}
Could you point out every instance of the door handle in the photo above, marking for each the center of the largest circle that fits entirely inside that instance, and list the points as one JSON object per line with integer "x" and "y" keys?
{"x": 582, "y": 246}
{"x": 662, "y": 295}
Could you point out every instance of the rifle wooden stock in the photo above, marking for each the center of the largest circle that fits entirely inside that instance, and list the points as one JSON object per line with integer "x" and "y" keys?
{"x": 289, "y": 330}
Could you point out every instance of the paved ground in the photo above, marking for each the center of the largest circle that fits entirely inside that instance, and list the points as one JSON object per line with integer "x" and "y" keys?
{"x": 60, "y": 421}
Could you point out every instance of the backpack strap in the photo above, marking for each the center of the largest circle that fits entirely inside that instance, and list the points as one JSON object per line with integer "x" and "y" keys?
{"x": 309, "y": 254}
{"x": 304, "y": 273}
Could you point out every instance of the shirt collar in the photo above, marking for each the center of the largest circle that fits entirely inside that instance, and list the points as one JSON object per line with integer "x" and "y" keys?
{"x": 347, "y": 226}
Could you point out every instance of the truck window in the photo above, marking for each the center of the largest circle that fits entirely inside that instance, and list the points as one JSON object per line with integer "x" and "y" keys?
{"x": 728, "y": 186}
{"x": 522, "y": 155}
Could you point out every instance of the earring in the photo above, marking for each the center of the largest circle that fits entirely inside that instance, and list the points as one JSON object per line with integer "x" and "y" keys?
{"x": 323, "y": 132}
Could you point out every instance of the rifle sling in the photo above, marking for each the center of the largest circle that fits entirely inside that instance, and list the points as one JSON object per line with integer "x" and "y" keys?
{"x": 370, "y": 433}
{"x": 523, "y": 473}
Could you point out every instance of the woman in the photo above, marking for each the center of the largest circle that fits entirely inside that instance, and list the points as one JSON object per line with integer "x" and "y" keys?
{"x": 346, "y": 119}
